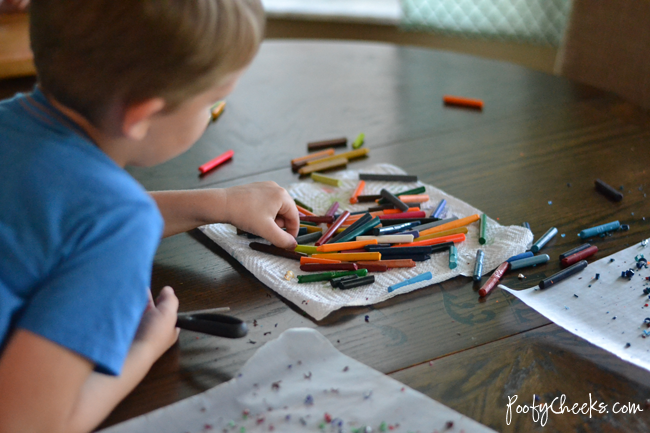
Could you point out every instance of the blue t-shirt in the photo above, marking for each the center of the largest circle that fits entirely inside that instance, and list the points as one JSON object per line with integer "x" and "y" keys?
{"x": 77, "y": 236}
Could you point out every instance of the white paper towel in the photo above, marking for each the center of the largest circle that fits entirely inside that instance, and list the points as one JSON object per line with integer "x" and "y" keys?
{"x": 319, "y": 299}
{"x": 290, "y": 384}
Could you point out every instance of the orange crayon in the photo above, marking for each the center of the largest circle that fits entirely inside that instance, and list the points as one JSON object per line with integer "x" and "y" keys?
{"x": 342, "y": 246}
{"x": 455, "y": 231}
{"x": 451, "y": 225}
{"x": 357, "y": 192}
{"x": 349, "y": 257}
{"x": 307, "y": 260}
{"x": 463, "y": 102}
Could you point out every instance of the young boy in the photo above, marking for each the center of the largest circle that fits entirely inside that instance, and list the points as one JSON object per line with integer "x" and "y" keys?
{"x": 120, "y": 83}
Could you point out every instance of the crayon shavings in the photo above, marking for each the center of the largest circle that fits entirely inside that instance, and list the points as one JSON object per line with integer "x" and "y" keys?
{"x": 605, "y": 308}
{"x": 319, "y": 299}
{"x": 273, "y": 393}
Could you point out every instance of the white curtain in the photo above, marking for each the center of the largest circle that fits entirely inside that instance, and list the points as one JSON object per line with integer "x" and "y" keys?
{"x": 534, "y": 21}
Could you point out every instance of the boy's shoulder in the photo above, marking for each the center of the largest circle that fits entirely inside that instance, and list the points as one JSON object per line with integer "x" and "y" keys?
{"x": 42, "y": 152}
{"x": 65, "y": 193}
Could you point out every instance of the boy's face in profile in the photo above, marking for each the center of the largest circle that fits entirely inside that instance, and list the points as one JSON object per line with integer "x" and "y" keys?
{"x": 172, "y": 133}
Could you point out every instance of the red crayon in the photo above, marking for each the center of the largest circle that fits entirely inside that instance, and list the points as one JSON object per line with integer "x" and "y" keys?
{"x": 580, "y": 255}
{"x": 373, "y": 267}
{"x": 330, "y": 232}
{"x": 418, "y": 214}
{"x": 318, "y": 219}
{"x": 491, "y": 283}
{"x": 216, "y": 162}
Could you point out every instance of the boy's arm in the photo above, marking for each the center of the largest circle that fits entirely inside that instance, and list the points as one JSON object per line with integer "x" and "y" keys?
{"x": 47, "y": 388}
{"x": 261, "y": 208}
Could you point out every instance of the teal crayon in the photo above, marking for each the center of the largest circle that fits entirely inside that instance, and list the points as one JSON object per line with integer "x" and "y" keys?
{"x": 529, "y": 261}
{"x": 544, "y": 240}
{"x": 453, "y": 252}
{"x": 598, "y": 230}
{"x": 478, "y": 266}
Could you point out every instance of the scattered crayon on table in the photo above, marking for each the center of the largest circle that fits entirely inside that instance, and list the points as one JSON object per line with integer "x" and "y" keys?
{"x": 608, "y": 191}
{"x": 323, "y": 166}
{"x": 422, "y": 277}
{"x": 491, "y": 283}
{"x": 580, "y": 255}
{"x": 529, "y": 261}
{"x": 598, "y": 230}
{"x": 543, "y": 240}
{"x": 520, "y": 256}
{"x": 216, "y": 110}
{"x": 482, "y": 230}
{"x": 214, "y": 163}
{"x": 351, "y": 154}
{"x": 478, "y": 265}
{"x": 563, "y": 275}
{"x": 327, "y": 180}
{"x": 358, "y": 142}
{"x": 318, "y": 145}
{"x": 459, "y": 101}
{"x": 574, "y": 250}
{"x": 388, "y": 177}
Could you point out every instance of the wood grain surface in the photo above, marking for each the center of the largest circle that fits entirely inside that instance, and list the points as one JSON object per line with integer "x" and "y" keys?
{"x": 531, "y": 155}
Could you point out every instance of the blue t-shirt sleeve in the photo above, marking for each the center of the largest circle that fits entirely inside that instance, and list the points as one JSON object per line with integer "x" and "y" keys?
{"x": 93, "y": 302}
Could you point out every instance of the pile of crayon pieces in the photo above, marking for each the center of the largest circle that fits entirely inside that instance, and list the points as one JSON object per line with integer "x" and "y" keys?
{"x": 325, "y": 157}
{"x": 572, "y": 261}
{"x": 343, "y": 247}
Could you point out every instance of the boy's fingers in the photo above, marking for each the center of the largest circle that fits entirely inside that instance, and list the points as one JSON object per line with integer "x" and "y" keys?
{"x": 289, "y": 214}
{"x": 167, "y": 302}
{"x": 279, "y": 237}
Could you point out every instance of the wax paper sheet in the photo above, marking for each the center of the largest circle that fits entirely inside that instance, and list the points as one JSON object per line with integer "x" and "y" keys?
{"x": 299, "y": 383}
{"x": 319, "y": 299}
{"x": 608, "y": 311}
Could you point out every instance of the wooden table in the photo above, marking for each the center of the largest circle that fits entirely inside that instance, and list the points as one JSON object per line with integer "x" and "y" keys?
{"x": 531, "y": 155}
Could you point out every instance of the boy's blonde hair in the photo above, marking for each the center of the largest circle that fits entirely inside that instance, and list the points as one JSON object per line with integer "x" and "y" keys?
{"x": 91, "y": 54}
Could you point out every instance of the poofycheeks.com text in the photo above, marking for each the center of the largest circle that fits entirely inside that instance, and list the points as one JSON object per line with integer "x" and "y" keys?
{"x": 539, "y": 411}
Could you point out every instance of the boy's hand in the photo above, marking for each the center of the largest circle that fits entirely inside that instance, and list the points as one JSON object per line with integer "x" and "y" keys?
{"x": 263, "y": 208}
{"x": 158, "y": 324}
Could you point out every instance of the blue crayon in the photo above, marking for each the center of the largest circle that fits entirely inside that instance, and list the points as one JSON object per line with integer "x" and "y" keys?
{"x": 441, "y": 207}
{"x": 379, "y": 231}
{"x": 530, "y": 261}
{"x": 453, "y": 252}
{"x": 526, "y": 225}
{"x": 595, "y": 231}
{"x": 408, "y": 282}
{"x": 544, "y": 240}
{"x": 478, "y": 266}
{"x": 520, "y": 256}
{"x": 415, "y": 233}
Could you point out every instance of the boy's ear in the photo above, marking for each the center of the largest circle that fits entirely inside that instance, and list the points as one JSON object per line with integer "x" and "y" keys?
{"x": 137, "y": 117}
